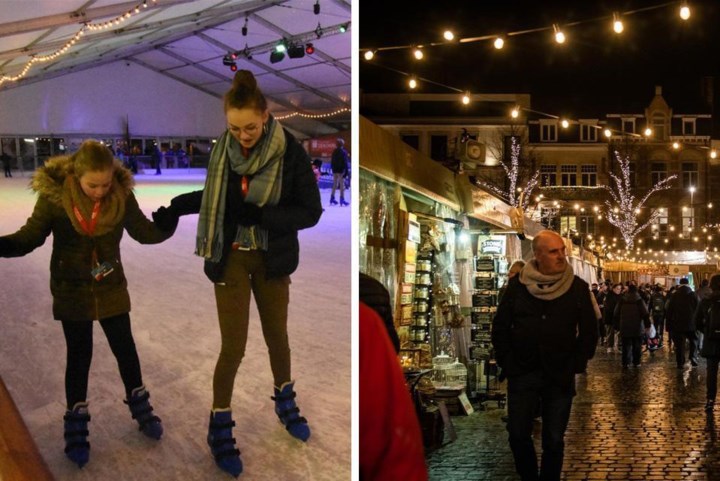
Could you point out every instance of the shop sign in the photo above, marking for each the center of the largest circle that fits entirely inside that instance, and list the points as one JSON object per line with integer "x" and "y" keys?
{"x": 322, "y": 147}
{"x": 493, "y": 245}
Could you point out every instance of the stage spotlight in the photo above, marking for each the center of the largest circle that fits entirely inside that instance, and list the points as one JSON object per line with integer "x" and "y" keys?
{"x": 316, "y": 8}
{"x": 276, "y": 56}
{"x": 296, "y": 51}
{"x": 309, "y": 49}
{"x": 244, "y": 29}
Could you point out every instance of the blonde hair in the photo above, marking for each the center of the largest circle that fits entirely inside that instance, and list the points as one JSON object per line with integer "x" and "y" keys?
{"x": 244, "y": 93}
{"x": 92, "y": 156}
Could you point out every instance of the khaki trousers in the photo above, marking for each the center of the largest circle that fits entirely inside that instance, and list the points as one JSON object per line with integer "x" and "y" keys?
{"x": 245, "y": 273}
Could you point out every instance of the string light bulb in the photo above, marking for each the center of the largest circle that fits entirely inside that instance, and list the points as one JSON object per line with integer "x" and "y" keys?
{"x": 369, "y": 55}
{"x": 713, "y": 154}
{"x": 412, "y": 83}
{"x": 648, "y": 132}
{"x": 448, "y": 35}
{"x": 466, "y": 98}
{"x": 559, "y": 35}
{"x": 618, "y": 26}
{"x": 418, "y": 53}
{"x": 514, "y": 113}
{"x": 565, "y": 124}
{"x": 608, "y": 133}
{"x": 684, "y": 11}
{"x": 499, "y": 43}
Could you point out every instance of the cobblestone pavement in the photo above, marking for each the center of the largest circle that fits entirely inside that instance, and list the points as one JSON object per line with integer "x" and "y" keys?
{"x": 645, "y": 423}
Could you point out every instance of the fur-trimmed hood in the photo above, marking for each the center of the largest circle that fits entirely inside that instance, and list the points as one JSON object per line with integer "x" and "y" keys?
{"x": 49, "y": 179}
{"x": 57, "y": 181}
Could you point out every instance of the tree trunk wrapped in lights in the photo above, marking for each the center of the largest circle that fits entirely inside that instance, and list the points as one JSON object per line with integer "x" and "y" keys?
{"x": 624, "y": 214}
{"x": 518, "y": 200}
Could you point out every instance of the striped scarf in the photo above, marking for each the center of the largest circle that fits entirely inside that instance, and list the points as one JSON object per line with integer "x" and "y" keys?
{"x": 264, "y": 164}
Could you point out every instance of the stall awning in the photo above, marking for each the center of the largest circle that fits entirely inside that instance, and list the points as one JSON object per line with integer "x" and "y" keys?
{"x": 388, "y": 157}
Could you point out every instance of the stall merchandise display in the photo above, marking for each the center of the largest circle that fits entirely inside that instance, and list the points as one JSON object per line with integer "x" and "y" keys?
{"x": 490, "y": 275}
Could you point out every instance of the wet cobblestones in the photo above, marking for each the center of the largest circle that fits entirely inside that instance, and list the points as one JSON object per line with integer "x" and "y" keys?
{"x": 645, "y": 423}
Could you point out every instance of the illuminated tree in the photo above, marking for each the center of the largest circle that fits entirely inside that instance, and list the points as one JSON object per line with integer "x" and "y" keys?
{"x": 625, "y": 211}
{"x": 516, "y": 196}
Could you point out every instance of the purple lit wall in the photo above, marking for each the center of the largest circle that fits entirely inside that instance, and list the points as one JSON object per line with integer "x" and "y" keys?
{"x": 98, "y": 100}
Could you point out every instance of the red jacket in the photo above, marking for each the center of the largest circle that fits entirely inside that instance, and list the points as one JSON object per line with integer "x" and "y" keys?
{"x": 390, "y": 438}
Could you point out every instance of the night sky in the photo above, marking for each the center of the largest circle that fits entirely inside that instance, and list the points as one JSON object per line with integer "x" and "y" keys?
{"x": 595, "y": 67}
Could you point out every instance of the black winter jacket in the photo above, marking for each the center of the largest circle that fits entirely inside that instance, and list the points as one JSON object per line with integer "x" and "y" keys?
{"x": 557, "y": 336}
{"x": 609, "y": 311}
{"x": 632, "y": 314}
{"x": 299, "y": 208}
{"x": 711, "y": 347}
{"x": 680, "y": 310}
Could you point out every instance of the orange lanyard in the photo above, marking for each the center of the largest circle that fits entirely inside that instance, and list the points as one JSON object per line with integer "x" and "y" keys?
{"x": 244, "y": 185}
{"x": 88, "y": 227}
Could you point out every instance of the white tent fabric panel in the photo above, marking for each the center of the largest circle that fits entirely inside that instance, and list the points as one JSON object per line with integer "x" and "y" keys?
{"x": 99, "y": 100}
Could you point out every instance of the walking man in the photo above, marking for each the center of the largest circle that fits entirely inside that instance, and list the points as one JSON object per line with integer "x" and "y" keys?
{"x": 339, "y": 166}
{"x": 680, "y": 319}
{"x": 544, "y": 332}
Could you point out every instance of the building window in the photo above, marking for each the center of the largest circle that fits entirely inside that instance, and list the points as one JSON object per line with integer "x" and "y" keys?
{"x": 658, "y": 172}
{"x": 628, "y": 126}
{"x": 413, "y": 140}
{"x": 688, "y": 214}
{"x": 569, "y": 175}
{"x": 589, "y": 175}
{"x": 548, "y": 132}
{"x": 549, "y": 217}
{"x": 658, "y": 123}
{"x": 659, "y": 227}
{"x": 689, "y": 174}
{"x": 438, "y": 147}
{"x": 588, "y": 133}
{"x": 568, "y": 225}
{"x": 688, "y": 126}
{"x": 586, "y": 225}
{"x": 548, "y": 175}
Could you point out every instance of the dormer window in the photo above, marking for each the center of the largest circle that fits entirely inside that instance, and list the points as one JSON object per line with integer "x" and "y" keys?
{"x": 548, "y": 131}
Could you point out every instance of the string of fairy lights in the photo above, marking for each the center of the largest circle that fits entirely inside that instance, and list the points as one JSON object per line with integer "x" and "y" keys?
{"x": 419, "y": 51}
{"x": 313, "y": 116}
{"x": 115, "y": 22}
{"x": 87, "y": 26}
{"x": 625, "y": 214}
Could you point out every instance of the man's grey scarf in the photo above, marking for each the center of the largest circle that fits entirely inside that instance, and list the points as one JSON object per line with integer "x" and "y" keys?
{"x": 546, "y": 287}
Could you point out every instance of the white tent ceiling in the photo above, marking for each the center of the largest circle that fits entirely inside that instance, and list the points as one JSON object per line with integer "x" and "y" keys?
{"x": 186, "y": 41}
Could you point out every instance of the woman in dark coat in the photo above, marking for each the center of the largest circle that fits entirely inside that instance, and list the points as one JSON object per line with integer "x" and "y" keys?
{"x": 711, "y": 347}
{"x": 259, "y": 192}
{"x": 86, "y": 202}
{"x": 634, "y": 319}
{"x": 612, "y": 324}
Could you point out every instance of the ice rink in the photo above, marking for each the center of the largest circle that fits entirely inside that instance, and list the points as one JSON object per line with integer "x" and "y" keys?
{"x": 174, "y": 322}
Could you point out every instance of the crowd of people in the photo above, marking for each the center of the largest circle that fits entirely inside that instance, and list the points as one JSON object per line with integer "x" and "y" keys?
{"x": 636, "y": 315}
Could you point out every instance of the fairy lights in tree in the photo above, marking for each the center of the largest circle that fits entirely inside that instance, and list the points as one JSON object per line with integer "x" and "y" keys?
{"x": 624, "y": 214}
{"x": 516, "y": 197}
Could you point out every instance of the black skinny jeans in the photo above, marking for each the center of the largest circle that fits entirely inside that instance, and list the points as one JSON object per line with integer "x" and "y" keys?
{"x": 79, "y": 341}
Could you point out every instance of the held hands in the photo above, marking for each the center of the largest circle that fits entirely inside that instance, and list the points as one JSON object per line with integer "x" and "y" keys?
{"x": 6, "y": 247}
{"x": 249, "y": 214}
{"x": 166, "y": 219}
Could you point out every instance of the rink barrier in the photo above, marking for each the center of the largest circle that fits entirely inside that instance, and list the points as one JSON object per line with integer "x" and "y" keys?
{"x": 20, "y": 458}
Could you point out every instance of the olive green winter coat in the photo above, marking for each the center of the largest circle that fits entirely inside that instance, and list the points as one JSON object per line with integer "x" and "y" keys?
{"x": 76, "y": 294}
